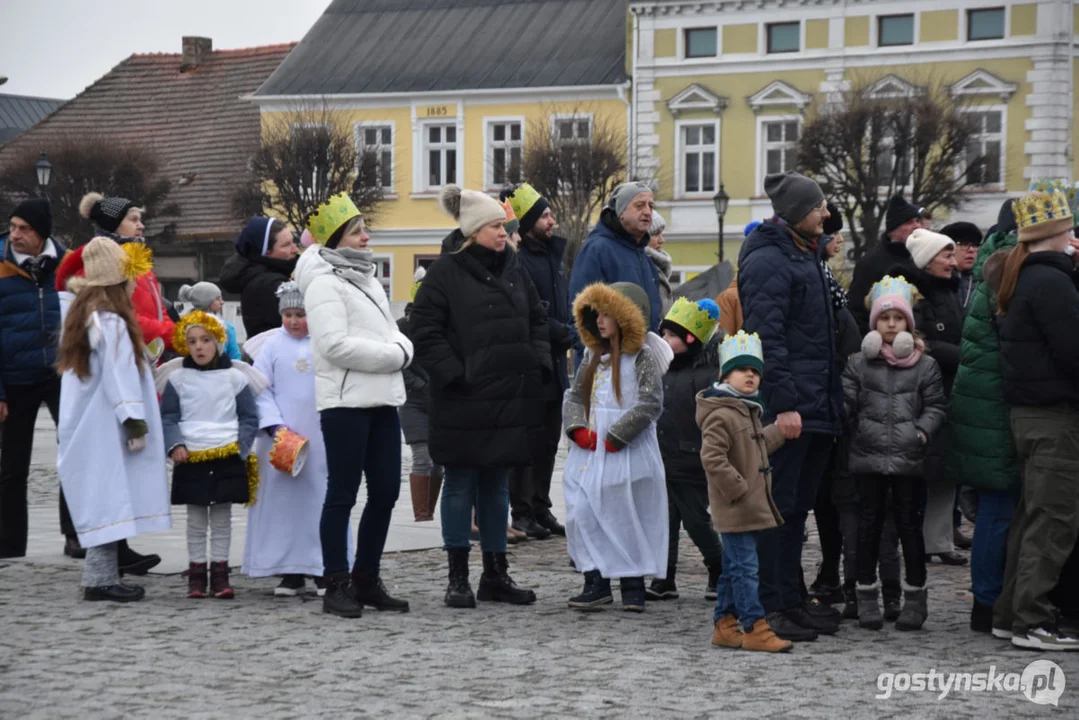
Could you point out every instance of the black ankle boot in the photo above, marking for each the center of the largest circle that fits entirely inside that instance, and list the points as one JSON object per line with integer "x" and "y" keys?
{"x": 369, "y": 590}
{"x": 133, "y": 563}
{"x": 893, "y": 601}
{"x": 850, "y": 604}
{"x": 633, "y": 594}
{"x": 597, "y": 591}
{"x": 496, "y": 585}
{"x": 459, "y": 592}
{"x": 338, "y": 599}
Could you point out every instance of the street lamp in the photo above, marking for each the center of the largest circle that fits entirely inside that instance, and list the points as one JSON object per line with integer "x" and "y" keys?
{"x": 44, "y": 173}
{"x": 721, "y": 200}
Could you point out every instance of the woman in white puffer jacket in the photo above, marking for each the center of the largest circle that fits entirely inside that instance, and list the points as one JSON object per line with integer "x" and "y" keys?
{"x": 359, "y": 354}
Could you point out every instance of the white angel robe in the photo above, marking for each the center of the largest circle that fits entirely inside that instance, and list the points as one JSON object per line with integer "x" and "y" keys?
{"x": 112, "y": 493}
{"x": 616, "y": 503}
{"x": 283, "y": 524}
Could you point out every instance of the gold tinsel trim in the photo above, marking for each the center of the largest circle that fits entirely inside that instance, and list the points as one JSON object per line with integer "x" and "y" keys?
{"x": 140, "y": 260}
{"x": 193, "y": 319}
{"x": 220, "y": 453}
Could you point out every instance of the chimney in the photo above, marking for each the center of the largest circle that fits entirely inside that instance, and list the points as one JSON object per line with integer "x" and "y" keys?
{"x": 195, "y": 51}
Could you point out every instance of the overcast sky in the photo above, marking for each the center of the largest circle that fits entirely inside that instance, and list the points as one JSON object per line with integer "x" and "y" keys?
{"x": 55, "y": 48}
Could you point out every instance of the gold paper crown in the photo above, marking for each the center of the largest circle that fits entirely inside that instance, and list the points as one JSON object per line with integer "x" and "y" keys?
{"x": 741, "y": 350}
{"x": 196, "y": 318}
{"x": 889, "y": 285}
{"x": 698, "y": 318}
{"x": 140, "y": 259}
{"x": 1071, "y": 192}
{"x": 522, "y": 199}
{"x": 330, "y": 216}
{"x": 1042, "y": 215}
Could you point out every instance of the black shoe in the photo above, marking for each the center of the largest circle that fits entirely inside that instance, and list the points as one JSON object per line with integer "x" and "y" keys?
{"x": 369, "y": 590}
{"x": 816, "y": 608}
{"x": 822, "y": 625}
{"x": 73, "y": 549}
{"x": 850, "y": 604}
{"x": 496, "y": 585}
{"x": 531, "y": 528}
{"x": 633, "y": 594}
{"x": 133, "y": 563}
{"x": 662, "y": 590}
{"x": 951, "y": 558}
{"x": 787, "y": 629}
{"x": 116, "y": 593}
{"x": 710, "y": 593}
{"x": 597, "y": 591}
{"x": 893, "y": 605}
{"x": 981, "y": 617}
{"x": 290, "y": 586}
{"x": 549, "y": 521}
{"x": 339, "y": 599}
{"x": 459, "y": 592}
{"x": 961, "y": 541}
{"x": 827, "y": 593}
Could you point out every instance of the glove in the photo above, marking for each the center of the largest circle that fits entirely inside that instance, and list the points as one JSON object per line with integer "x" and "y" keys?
{"x": 610, "y": 448}
{"x": 585, "y": 438}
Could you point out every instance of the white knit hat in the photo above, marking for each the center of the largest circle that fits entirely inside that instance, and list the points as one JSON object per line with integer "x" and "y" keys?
{"x": 924, "y": 245}
{"x": 471, "y": 209}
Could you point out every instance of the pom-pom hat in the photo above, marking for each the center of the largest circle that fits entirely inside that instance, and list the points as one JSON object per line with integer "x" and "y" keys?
{"x": 471, "y": 209}
{"x": 105, "y": 212}
{"x": 741, "y": 350}
{"x": 201, "y": 295}
{"x": 289, "y": 297}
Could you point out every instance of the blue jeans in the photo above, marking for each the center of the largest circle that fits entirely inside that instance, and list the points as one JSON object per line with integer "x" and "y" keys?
{"x": 737, "y": 589}
{"x": 990, "y": 550}
{"x": 488, "y": 490}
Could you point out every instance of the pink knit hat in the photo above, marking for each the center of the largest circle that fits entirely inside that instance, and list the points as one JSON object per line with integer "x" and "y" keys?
{"x": 891, "y": 293}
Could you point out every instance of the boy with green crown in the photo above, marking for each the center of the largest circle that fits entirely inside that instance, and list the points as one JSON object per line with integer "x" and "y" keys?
{"x": 690, "y": 329}
{"x": 734, "y": 453}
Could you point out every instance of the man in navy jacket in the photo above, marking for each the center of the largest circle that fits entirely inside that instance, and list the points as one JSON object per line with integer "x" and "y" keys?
{"x": 786, "y": 301}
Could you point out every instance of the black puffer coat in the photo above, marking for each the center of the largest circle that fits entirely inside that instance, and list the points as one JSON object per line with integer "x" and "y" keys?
{"x": 413, "y": 413}
{"x": 1039, "y": 336}
{"x": 887, "y": 406}
{"x": 481, "y": 334}
{"x": 256, "y": 280}
{"x": 543, "y": 263}
{"x": 871, "y": 267}
{"x": 677, "y": 429}
{"x": 938, "y": 316}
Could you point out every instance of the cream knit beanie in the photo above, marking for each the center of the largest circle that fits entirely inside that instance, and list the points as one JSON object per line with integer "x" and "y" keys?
{"x": 104, "y": 262}
{"x": 924, "y": 245}
{"x": 471, "y": 209}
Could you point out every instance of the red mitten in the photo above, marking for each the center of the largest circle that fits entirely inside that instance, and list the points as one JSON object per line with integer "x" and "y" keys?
{"x": 585, "y": 438}
{"x": 610, "y": 448}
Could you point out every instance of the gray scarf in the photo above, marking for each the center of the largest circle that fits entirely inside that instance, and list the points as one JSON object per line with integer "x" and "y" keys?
{"x": 349, "y": 259}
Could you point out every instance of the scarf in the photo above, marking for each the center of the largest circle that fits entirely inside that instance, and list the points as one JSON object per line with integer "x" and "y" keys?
{"x": 722, "y": 389}
{"x": 836, "y": 291}
{"x": 802, "y": 241}
{"x": 39, "y": 267}
{"x": 887, "y": 352}
{"x": 349, "y": 259}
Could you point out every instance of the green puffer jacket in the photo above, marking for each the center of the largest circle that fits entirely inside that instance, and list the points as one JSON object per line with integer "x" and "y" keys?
{"x": 982, "y": 454}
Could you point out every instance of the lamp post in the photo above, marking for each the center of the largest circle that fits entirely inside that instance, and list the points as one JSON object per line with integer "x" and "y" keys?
{"x": 721, "y": 200}
{"x": 44, "y": 174}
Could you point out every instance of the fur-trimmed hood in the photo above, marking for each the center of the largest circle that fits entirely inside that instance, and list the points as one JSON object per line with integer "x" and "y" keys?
{"x": 616, "y": 300}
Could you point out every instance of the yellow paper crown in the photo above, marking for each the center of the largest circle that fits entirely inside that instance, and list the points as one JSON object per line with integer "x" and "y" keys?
{"x": 522, "y": 199}
{"x": 330, "y": 216}
{"x": 1039, "y": 207}
{"x": 1070, "y": 192}
{"x": 140, "y": 259}
{"x": 698, "y": 318}
{"x": 196, "y": 318}
{"x": 889, "y": 285}
{"x": 741, "y": 350}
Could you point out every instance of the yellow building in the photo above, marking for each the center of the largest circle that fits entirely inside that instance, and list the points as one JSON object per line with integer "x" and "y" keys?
{"x": 448, "y": 93}
{"x": 721, "y": 90}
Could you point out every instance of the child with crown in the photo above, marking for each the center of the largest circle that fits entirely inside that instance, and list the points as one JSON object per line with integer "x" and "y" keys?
{"x": 734, "y": 452}
{"x": 895, "y": 404}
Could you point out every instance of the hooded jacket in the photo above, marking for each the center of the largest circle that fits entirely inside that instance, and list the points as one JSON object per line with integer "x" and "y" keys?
{"x": 358, "y": 351}
{"x": 677, "y": 429}
{"x": 255, "y": 278}
{"x": 481, "y": 335}
{"x": 786, "y": 300}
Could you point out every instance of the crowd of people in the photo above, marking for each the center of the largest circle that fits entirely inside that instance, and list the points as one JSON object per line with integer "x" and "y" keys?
{"x": 942, "y": 382}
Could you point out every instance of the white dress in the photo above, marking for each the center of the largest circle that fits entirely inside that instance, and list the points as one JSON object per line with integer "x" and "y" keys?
{"x": 283, "y": 524}
{"x": 112, "y": 493}
{"x": 616, "y": 503}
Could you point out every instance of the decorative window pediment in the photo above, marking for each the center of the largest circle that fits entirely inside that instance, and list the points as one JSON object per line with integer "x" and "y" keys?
{"x": 696, "y": 97}
{"x": 779, "y": 93}
{"x": 892, "y": 86}
{"x": 982, "y": 82}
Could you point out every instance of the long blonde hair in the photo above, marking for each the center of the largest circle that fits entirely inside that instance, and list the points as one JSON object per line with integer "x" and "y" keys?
{"x": 614, "y": 347}
{"x": 74, "y": 353}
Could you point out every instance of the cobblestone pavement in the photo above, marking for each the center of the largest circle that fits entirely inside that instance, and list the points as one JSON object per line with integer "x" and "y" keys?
{"x": 282, "y": 657}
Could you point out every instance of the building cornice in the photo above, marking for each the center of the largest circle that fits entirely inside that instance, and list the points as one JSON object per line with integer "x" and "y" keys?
{"x": 481, "y": 96}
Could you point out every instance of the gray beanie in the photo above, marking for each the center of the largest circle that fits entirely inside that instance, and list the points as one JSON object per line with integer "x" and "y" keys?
{"x": 793, "y": 195}
{"x": 623, "y": 195}
{"x": 289, "y": 296}
{"x": 201, "y": 295}
{"x": 658, "y": 224}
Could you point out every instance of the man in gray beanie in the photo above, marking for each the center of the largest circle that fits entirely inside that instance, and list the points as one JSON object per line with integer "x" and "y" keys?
{"x": 786, "y": 301}
{"x": 615, "y": 249}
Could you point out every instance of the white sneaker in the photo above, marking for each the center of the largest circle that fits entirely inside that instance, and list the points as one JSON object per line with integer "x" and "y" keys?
{"x": 1002, "y": 633}
{"x": 1046, "y": 638}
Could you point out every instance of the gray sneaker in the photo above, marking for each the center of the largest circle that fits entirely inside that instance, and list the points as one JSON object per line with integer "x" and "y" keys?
{"x": 1045, "y": 637}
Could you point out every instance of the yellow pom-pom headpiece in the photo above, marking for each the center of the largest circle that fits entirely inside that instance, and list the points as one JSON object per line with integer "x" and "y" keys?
{"x": 140, "y": 260}
{"x": 196, "y": 318}
{"x": 330, "y": 216}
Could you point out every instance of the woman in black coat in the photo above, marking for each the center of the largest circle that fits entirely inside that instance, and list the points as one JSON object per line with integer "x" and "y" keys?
{"x": 265, "y": 257}
{"x": 480, "y": 333}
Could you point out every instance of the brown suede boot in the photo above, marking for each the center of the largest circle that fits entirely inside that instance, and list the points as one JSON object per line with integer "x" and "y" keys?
{"x": 420, "y": 486}
{"x": 764, "y": 640}
{"x": 727, "y": 633}
{"x": 434, "y": 485}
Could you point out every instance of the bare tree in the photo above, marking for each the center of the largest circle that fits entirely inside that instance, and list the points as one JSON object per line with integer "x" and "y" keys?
{"x": 867, "y": 147}
{"x": 88, "y": 163}
{"x": 307, "y": 156}
{"x": 575, "y": 160}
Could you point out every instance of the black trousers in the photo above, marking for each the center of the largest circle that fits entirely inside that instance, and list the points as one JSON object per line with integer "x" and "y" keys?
{"x": 687, "y": 504}
{"x": 907, "y": 492}
{"x": 23, "y": 403}
{"x": 829, "y": 530}
{"x": 530, "y": 487}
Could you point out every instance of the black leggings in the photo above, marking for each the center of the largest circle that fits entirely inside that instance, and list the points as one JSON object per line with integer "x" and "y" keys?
{"x": 873, "y": 506}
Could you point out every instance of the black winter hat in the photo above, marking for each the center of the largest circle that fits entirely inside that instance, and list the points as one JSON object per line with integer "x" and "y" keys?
{"x": 38, "y": 213}
{"x": 963, "y": 233}
{"x": 834, "y": 223}
{"x": 1006, "y": 218}
{"x": 105, "y": 212}
{"x": 899, "y": 212}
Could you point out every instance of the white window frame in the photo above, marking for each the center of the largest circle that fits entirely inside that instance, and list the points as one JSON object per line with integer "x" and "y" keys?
{"x": 489, "y": 145}
{"x": 358, "y": 131}
{"x": 1001, "y": 137}
{"x": 762, "y": 142}
{"x": 555, "y": 119}
{"x": 425, "y": 148}
{"x": 387, "y": 282}
{"x": 679, "y": 158}
{"x": 306, "y": 125}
